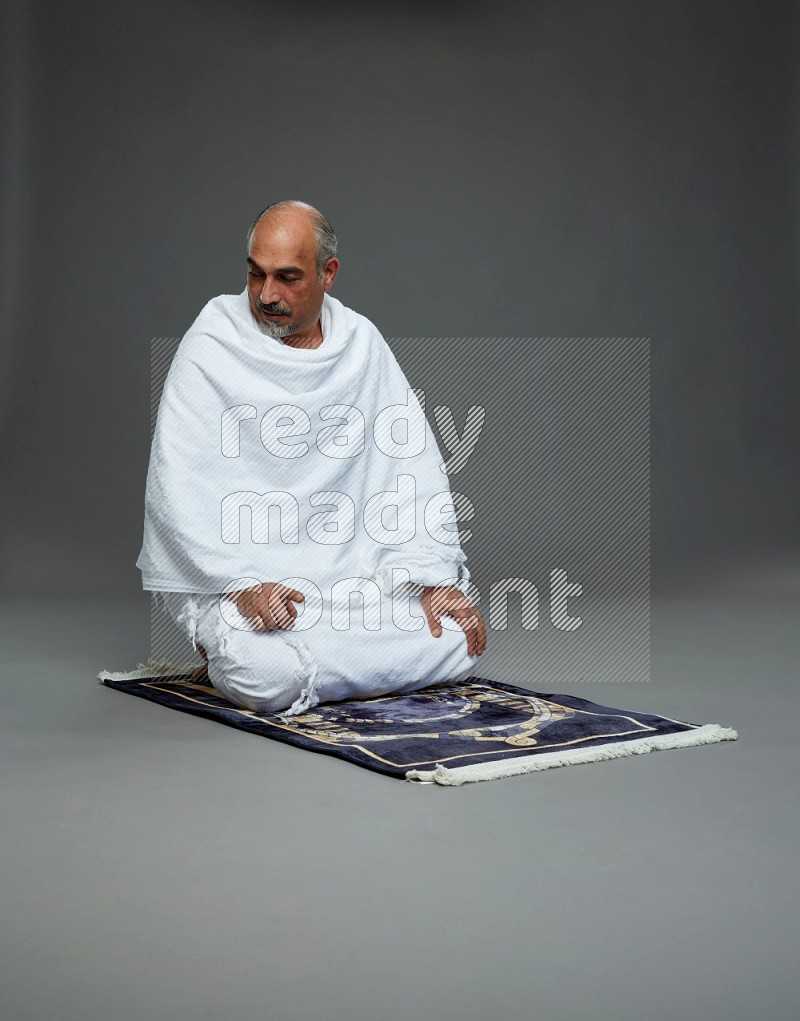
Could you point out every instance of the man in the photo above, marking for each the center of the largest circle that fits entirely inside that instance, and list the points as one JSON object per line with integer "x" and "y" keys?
{"x": 288, "y": 352}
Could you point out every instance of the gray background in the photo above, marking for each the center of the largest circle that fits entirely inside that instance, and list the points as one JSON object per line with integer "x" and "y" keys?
{"x": 494, "y": 171}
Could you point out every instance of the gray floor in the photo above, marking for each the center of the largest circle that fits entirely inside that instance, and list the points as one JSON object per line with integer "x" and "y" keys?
{"x": 158, "y": 866}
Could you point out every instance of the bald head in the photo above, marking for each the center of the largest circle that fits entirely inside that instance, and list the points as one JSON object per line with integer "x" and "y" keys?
{"x": 292, "y": 215}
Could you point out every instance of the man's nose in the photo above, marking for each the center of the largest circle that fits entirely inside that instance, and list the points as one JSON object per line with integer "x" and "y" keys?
{"x": 270, "y": 294}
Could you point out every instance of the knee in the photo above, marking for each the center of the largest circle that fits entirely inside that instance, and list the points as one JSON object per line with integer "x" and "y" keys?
{"x": 256, "y": 670}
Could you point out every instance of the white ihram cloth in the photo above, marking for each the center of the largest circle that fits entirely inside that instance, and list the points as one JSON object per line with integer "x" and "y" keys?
{"x": 243, "y": 415}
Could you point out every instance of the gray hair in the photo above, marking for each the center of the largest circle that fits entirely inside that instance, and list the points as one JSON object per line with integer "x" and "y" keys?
{"x": 327, "y": 243}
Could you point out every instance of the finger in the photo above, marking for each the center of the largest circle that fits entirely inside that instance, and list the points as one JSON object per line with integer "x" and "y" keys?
{"x": 276, "y": 601}
{"x": 287, "y": 617}
{"x": 284, "y": 607}
{"x": 473, "y": 631}
{"x": 248, "y": 593}
{"x": 464, "y": 624}
{"x": 477, "y": 627}
{"x": 288, "y": 610}
{"x": 433, "y": 620}
{"x": 476, "y": 632}
{"x": 280, "y": 615}
{"x": 252, "y": 612}
{"x": 471, "y": 623}
{"x": 462, "y": 606}
{"x": 481, "y": 635}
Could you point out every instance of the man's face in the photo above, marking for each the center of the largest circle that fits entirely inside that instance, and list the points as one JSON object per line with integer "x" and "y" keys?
{"x": 284, "y": 289}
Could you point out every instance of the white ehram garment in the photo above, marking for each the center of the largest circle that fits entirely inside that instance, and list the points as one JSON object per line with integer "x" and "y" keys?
{"x": 269, "y": 670}
{"x": 246, "y": 420}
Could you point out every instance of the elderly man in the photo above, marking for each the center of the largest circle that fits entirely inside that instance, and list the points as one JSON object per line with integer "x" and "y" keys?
{"x": 245, "y": 424}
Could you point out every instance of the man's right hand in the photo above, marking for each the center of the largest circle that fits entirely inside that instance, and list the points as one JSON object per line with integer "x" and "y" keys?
{"x": 269, "y": 605}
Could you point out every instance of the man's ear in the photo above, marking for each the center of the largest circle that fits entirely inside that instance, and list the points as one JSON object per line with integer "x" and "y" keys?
{"x": 329, "y": 273}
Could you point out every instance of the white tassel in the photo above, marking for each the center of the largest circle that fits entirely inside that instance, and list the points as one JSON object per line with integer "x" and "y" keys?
{"x": 308, "y": 697}
{"x": 152, "y": 668}
{"x": 710, "y": 733}
{"x": 189, "y": 616}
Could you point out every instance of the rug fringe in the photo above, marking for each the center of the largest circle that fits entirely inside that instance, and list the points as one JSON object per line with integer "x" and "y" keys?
{"x": 152, "y": 668}
{"x": 710, "y": 733}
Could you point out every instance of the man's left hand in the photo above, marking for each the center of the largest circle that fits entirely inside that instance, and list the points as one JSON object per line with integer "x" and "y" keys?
{"x": 446, "y": 599}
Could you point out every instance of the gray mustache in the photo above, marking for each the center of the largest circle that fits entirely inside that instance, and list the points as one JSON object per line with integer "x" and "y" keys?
{"x": 272, "y": 309}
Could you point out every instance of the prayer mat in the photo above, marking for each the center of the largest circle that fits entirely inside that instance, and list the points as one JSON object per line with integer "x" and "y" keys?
{"x": 448, "y": 734}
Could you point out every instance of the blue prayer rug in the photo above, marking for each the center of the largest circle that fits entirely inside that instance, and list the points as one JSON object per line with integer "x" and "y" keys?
{"x": 447, "y": 733}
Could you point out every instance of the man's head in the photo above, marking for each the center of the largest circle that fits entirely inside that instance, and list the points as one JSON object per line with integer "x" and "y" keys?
{"x": 291, "y": 259}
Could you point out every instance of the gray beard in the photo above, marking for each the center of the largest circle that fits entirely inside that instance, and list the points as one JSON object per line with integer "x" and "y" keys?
{"x": 275, "y": 330}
